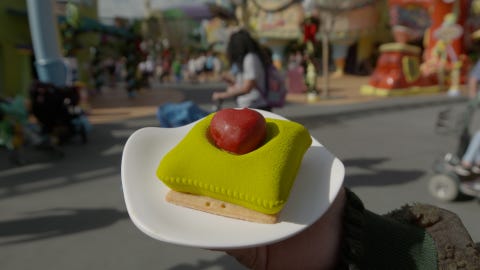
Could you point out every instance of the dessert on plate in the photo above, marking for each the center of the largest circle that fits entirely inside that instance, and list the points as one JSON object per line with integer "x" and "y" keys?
{"x": 225, "y": 166}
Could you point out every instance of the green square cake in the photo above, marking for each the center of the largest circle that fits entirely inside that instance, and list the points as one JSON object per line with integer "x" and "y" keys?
{"x": 260, "y": 180}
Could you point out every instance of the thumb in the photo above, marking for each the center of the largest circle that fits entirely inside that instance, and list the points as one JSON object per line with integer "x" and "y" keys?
{"x": 253, "y": 258}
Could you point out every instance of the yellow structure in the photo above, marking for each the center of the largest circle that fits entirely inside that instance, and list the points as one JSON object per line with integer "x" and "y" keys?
{"x": 15, "y": 49}
{"x": 16, "y": 54}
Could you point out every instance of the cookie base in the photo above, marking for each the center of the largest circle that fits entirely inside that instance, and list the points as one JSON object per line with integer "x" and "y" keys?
{"x": 218, "y": 207}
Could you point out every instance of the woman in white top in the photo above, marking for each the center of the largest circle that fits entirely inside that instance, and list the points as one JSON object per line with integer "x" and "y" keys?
{"x": 249, "y": 62}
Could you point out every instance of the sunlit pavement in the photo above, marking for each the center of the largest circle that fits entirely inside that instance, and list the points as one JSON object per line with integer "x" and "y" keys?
{"x": 71, "y": 207}
{"x": 343, "y": 97}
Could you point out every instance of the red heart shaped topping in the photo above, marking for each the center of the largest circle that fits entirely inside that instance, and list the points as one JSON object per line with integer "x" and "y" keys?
{"x": 238, "y": 130}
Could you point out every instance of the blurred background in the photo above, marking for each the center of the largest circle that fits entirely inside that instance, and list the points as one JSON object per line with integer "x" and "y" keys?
{"x": 390, "y": 98}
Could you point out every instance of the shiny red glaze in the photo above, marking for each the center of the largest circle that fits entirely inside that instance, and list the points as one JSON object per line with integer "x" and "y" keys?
{"x": 238, "y": 130}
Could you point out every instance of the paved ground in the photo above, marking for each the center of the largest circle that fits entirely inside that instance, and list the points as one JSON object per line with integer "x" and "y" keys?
{"x": 343, "y": 97}
{"x": 69, "y": 213}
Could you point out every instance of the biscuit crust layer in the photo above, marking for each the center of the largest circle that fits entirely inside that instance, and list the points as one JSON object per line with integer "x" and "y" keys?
{"x": 218, "y": 207}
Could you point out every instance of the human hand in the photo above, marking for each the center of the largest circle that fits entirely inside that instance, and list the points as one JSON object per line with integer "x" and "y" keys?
{"x": 217, "y": 96}
{"x": 230, "y": 92}
{"x": 317, "y": 247}
{"x": 226, "y": 77}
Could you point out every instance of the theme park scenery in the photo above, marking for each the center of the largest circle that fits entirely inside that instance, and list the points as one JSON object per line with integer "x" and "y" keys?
{"x": 323, "y": 32}
{"x": 442, "y": 28}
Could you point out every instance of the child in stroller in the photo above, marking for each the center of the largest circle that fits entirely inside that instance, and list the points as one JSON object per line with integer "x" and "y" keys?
{"x": 470, "y": 161}
{"x": 456, "y": 173}
{"x": 459, "y": 173}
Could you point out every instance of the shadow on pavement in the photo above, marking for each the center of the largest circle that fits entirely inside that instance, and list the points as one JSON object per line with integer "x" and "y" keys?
{"x": 364, "y": 163}
{"x": 336, "y": 114}
{"x": 223, "y": 262}
{"x": 56, "y": 223}
{"x": 96, "y": 160}
{"x": 376, "y": 176}
{"x": 382, "y": 178}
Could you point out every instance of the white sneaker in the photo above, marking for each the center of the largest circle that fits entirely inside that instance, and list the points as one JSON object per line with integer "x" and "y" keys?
{"x": 474, "y": 185}
{"x": 475, "y": 169}
{"x": 471, "y": 188}
{"x": 460, "y": 170}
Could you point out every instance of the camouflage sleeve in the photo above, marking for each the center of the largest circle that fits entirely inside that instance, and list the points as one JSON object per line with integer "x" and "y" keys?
{"x": 416, "y": 236}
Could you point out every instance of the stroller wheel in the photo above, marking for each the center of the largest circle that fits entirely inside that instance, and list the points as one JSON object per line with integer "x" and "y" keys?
{"x": 444, "y": 187}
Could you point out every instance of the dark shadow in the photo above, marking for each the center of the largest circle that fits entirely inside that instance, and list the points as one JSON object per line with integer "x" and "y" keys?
{"x": 365, "y": 163}
{"x": 53, "y": 178}
{"x": 464, "y": 198}
{"x": 377, "y": 176}
{"x": 225, "y": 262}
{"x": 272, "y": 131}
{"x": 383, "y": 178}
{"x": 44, "y": 173}
{"x": 370, "y": 108}
{"x": 58, "y": 222}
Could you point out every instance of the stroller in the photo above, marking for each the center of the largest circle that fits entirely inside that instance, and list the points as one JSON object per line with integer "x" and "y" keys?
{"x": 58, "y": 112}
{"x": 445, "y": 184}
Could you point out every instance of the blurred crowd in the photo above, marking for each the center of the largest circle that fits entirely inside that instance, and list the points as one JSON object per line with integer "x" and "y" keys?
{"x": 171, "y": 66}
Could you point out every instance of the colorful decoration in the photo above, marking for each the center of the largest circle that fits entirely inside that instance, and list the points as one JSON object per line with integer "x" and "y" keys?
{"x": 439, "y": 11}
{"x": 398, "y": 72}
{"x": 409, "y": 18}
{"x": 443, "y": 59}
{"x": 310, "y": 28}
{"x": 443, "y": 53}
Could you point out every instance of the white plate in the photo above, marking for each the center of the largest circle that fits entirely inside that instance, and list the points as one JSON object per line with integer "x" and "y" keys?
{"x": 318, "y": 182}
